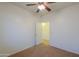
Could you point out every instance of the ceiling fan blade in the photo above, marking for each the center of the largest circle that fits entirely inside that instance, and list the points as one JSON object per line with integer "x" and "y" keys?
{"x": 48, "y": 9}
{"x": 37, "y": 10}
{"x": 30, "y": 4}
{"x": 40, "y": 2}
{"x": 51, "y": 2}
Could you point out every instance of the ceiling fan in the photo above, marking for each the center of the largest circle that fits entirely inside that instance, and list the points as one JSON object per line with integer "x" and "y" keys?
{"x": 41, "y": 6}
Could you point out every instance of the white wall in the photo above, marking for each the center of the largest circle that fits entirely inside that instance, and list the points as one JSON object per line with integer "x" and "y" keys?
{"x": 65, "y": 28}
{"x": 17, "y": 29}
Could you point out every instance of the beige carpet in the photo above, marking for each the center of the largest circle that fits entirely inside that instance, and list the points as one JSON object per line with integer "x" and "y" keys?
{"x": 43, "y": 50}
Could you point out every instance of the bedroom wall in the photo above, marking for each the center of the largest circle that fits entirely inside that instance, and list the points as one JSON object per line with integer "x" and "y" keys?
{"x": 17, "y": 29}
{"x": 65, "y": 28}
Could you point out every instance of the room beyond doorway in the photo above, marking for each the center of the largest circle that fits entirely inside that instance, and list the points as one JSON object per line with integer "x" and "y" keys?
{"x": 42, "y": 32}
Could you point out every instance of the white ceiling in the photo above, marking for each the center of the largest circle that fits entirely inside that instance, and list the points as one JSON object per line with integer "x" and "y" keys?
{"x": 53, "y": 6}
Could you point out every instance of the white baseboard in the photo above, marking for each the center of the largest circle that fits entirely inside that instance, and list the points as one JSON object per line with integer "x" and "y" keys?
{"x": 4, "y": 55}
{"x": 76, "y": 52}
{"x": 8, "y": 54}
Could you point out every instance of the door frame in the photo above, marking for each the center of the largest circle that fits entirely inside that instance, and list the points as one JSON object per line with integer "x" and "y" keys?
{"x": 36, "y": 40}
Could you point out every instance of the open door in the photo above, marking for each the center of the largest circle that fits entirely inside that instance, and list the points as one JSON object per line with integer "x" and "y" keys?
{"x": 42, "y": 33}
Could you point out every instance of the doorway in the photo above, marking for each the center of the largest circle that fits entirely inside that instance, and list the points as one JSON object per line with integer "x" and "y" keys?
{"x": 42, "y": 33}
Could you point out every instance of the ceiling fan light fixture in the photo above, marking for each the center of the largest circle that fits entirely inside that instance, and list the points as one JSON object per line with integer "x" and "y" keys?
{"x": 41, "y": 7}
